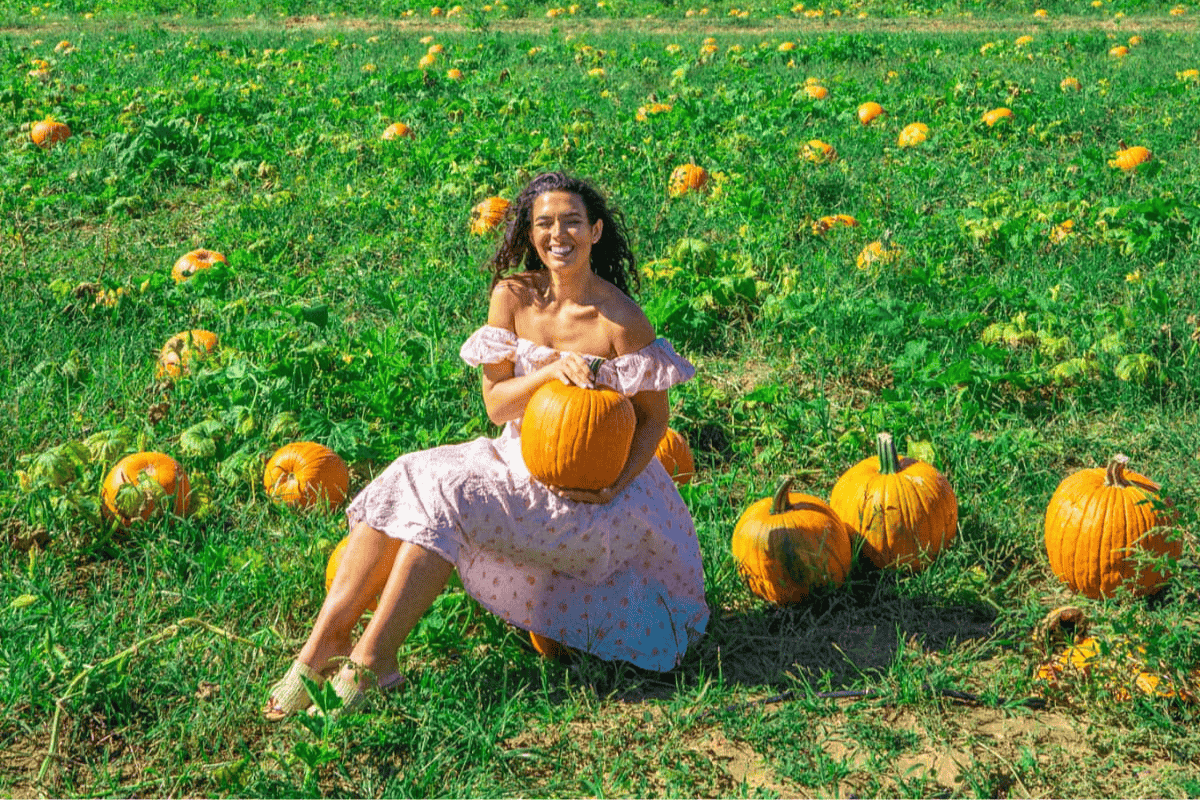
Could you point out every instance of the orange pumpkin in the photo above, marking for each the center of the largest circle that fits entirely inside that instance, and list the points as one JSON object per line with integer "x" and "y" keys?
{"x": 687, "y": 178}
{"x": 996, "y": 115}
{"x": 818, "y": 152}
{"x": 816, "y": 91}
{"x": 398, "y": 130}
{"x": 549, "y": 648}
{"x": 48, "y": 132}
{"x": 487, "y": 214}
{"x": 331, "y": 568}
{"x": 868, "y": 111}
{"x": 1069, "y": 83}
{"x": 903, "y": 509}
{"x": 826, "y": 223}
{"x": 577, "y": 438}
{"x": 303, "y": 474}
{"x": 676, "y": 456}
{"x": 143, "y": 485}
{"x": 1128, "y": 158}
{"x": 789, "y": 544}
{"x": 183, "y": 350}
{"x": 877, "y": 254}
{"x": 1098, "y": 521}
{"x": 913, "y": 134}
{"x": 191, "y": 263}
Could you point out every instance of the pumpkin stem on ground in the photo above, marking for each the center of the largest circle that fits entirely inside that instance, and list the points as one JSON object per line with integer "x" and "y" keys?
{"x": 889, "y": 462}
{"x": 1114, "y": 474}
{"x": 782, "y": 503}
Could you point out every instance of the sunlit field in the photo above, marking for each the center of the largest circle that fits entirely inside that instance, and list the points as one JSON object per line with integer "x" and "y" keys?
{"x": 1010, "y": 291}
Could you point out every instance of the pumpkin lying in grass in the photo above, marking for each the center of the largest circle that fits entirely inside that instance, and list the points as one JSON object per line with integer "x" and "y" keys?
{"x": 676, "y": 456}
{"x": 1102, "y": 524}
{"x": 577, "y": 438}
{"x": 868, "y": 112}
{"x": 191, "y": 263}
{"x": 487, "y": 214}
{"x": 48, "y": 132}
{"x": 182, "y": 351}
{"x": 913, "y": 134}
{"x": 398, "y": 130}
{"x": 144, "y": 485}
{"x": 990, "y": 118}
{"x": 903, "y": 509}
{"x": 303, "y": 474}
{"x": 1129, "y": 158}
{"x": 787, "y": 545}
{"x": 687, "y": 178}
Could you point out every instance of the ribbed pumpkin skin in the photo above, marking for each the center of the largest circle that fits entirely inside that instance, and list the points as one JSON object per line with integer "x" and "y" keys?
{"x": 577, "y": 438}
{"x": 904, "y": 518}
{"x": 676, "y": 457}
{"x": 302, "y": 474}
{"x": 191, "y": 263}
{"x": 47, "y": 132}
{"x": 164, "y": 470}
{"x": 787, "y": 545}
{"x": 487, "y": 214}
{"x": 686, "y": 178}
{"x": 335, "y": 561}
{"x": 1095, "y": 520}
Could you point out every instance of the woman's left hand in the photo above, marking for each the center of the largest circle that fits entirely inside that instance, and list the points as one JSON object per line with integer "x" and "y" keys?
{"x": 597, "y": 497}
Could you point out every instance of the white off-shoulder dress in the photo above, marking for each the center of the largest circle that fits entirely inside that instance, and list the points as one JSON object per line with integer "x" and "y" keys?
{"x": 622, "y": 581}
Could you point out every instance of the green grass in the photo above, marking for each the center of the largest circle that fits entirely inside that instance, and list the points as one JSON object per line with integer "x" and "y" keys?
{"x": 1010, "y": 358}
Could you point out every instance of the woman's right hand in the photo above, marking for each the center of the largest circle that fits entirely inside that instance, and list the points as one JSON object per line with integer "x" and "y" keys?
{"x": 571, "y": 369}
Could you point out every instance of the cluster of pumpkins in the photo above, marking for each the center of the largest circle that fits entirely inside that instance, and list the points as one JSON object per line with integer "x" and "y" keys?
{"x": 1105, "y": 528}
{"x": 147, "y": 483}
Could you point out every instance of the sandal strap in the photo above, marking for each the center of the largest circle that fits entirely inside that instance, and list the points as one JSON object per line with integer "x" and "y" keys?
{"x": 290, "y": 694}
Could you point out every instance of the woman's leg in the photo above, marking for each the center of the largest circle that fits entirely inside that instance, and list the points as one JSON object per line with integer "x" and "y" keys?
{"x": 417, "y": 577}
{"x": 362, "y": 575}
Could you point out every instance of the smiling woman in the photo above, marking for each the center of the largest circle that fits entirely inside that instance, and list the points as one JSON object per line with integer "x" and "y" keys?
{"x": 610, "y": 568}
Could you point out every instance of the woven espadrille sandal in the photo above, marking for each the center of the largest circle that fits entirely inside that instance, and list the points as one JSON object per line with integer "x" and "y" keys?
{"x": 353, "y": 698}
{"x": 290, "y": 694}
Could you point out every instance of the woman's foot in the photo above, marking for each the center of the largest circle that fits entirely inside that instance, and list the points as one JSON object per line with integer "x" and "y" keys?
{"x": 290, "y": 694}
{"x": 352, "y": 683}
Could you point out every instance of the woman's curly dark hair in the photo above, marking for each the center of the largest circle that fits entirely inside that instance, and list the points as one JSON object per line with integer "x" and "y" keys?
{"x": 611, "y": 257}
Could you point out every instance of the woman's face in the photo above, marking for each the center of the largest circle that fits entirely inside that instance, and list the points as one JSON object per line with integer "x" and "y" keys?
{"x": 560, "y": 231}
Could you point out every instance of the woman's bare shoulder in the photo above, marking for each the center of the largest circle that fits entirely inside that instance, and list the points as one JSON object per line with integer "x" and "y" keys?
{"x": 631, "y": 328}
{"x": 511, "y": 294}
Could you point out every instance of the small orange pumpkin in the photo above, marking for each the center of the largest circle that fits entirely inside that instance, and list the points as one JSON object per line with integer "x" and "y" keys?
{"x": 398, "y": 130}
{"x": 143, "y": 485}
{"x": 48, "y": 132}
{"x": 182, "y": 351}
{"x": 789, "y": 544}
{"x": 487, "y": 214}
{"x": 877, "y": 254}
{"x": 191, "y": 263}
{"x": 577, "y": 438}
{"x": 1069, "y": 84}
{"x": 824, "y": 224}
{"x": 913, "y": 134}
{"x": 676, "y": 456}
{"x": 335, "y": 561}
{"x": 1098, "y": 520}
{"x": 818, "y": 152}
{"x": 868, "y": 112}
{"x": 816, "y": 91}
{"x": 1129, "y": 158}
{"x": 303, "y": 474}
{"x": 903, "y": 509}
{"x": 687, "y": 178}
{"x": 996, "y": 115}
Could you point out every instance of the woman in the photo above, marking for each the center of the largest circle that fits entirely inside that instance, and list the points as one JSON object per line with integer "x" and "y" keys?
{"x": 614, "y": 572}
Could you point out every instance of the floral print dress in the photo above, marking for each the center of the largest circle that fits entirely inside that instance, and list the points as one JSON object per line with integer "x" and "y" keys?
{"x": 621, "y": 580}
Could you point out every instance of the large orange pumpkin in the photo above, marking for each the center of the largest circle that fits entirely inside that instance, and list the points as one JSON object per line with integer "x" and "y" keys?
{"x": 487, "y": 214}
{"x": 48, "y": 132}
{"x": 182, "y": 351}
{"x": 787, "y": 545}
{"x": 687, "y": 178}
{"x": 902, "y": 508}
{"x": 143, "y": 485}
{"x": 191, "y": 263}
{"x": 1098, "y": 521}
{"x": 577, "y": 438}
{"x": 303, "y": 474}
{"x": 335, "y": 561}
{"x": 676, "y": 456}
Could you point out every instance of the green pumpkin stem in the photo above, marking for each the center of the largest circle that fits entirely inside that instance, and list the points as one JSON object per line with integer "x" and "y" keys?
{"x": 781, "y": 503}
{"x": 889, "y": 462}
{"x": 594, "y": 366}
{"x": 1114, "y": 473}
